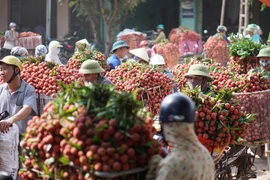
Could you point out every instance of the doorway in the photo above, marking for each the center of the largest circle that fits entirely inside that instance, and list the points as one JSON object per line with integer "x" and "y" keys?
{"x": 29, "y": 14}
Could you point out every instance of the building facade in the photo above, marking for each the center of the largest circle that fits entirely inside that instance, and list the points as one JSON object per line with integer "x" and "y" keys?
{"x": 197, "y": 15}
{"x": 28, "y": 14}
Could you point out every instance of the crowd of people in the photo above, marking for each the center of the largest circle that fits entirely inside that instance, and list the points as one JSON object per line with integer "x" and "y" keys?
{"x": 188, "y": 158}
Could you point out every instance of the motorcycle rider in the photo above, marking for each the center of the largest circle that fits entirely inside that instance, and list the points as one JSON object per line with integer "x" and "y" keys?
{"x": 91, "y": 71}
{"x": 119, "y": 50}
{"x": 188, "y": 158}
{"x": 54, "y": 50}
{"x": 161, "y": 35}
{"x": 19, "y": 99}
{"x": 250, "y": 34}
{"x": 221, "y": 31}
{"x": 198, "y": 75}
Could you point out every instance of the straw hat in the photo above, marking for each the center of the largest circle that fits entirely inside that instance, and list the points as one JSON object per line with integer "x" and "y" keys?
{"x": 141, "y": 53}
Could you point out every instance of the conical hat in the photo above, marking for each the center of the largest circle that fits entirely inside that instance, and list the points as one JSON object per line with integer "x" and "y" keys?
{"x": 141, "y": 53}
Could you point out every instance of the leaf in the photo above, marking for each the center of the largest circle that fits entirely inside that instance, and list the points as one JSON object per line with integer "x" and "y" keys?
{"x": 101, "y": 128}
{"x": 96, "y": 140}
{"x": 64, "y": 160}
{"x": 46, "y": 170}
{"x": 22, "y": 159}
{"x": 49, "y": 161}
{"x": 149, "y": 144}
{"x": 76, "y": 146}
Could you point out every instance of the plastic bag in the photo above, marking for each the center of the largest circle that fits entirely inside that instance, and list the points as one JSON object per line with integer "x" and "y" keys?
{"x": 9, "y": 154}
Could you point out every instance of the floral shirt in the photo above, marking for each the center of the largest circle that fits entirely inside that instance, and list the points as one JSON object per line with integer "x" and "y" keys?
{"x": 188, "y": 159}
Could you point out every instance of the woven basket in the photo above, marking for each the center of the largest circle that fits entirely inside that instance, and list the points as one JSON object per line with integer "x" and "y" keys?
{"x": 257, "y": 103}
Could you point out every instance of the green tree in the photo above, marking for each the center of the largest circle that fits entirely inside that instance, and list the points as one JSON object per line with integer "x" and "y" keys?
{"x": 112, "y": 12}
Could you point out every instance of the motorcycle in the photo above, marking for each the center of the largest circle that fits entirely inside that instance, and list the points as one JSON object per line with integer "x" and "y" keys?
{"x": 205, "y": 36}
{"x": 69, "y": 44}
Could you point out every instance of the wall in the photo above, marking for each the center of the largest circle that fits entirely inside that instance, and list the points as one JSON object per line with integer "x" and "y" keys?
{"x": 4, "y": 15}
{"x": 153, "y": 12}
{"x": 212, "y": 12}
{"x": 62, "y": 19}
{"x": 188, "y": 14}
{"x": 199, "y": 17}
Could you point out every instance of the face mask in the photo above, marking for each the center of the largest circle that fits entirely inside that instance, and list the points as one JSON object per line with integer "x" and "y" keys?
{"x": 88, "y": 84}
{"x": 265, "y": 63}
{"x": 193, "y": 84}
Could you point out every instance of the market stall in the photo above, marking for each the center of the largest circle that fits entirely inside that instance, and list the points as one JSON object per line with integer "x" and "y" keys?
{"x": 29, "y": 41}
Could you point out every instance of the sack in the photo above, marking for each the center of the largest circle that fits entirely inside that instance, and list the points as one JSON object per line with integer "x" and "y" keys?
{"x": 8, "y": 45}
{"x": 9, "y": 155}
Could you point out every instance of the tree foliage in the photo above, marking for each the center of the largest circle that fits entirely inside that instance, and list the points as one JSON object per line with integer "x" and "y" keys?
{"x": 112, "y": 12}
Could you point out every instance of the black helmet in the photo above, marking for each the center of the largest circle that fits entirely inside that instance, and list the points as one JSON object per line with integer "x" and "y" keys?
{"x": 177, "y": 107}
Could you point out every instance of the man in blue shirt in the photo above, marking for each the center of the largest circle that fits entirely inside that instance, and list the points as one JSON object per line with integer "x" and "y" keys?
{"x": 119, "y": 50}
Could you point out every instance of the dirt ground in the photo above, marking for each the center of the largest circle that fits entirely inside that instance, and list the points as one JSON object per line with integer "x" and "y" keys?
{"x": 262, "y": 168}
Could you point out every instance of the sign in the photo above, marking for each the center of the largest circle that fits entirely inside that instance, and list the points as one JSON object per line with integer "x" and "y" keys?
{"x": 187, "y": 9}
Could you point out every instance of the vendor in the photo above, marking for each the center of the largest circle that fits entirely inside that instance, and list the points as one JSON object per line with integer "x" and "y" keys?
{"x": 188, "y": 158}
{"x": 140, "y": 55}
{"x": 145, "y": 44}
{"x": 91, "y": 71}
{"x": 54, "y": 50}
{"x": 19, "y": 52}
{"x": 119, "y": 50}
{"x": 250, "y": 34}
{"x": 10, "y": 37}
{"x": 221, "y": 31}
{"x": 161, "y": 35}
{"x": 158, "y": 60}
{"x": 41, "y": 50}
{"x": 198, "y": 76}
{"x": 264, "y": 59}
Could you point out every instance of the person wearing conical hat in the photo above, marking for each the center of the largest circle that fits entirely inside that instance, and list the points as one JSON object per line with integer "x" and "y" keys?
{"x": 91, "y": 71}
{"x": 198, "y": 76}
{"x": 140, "y": 55}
